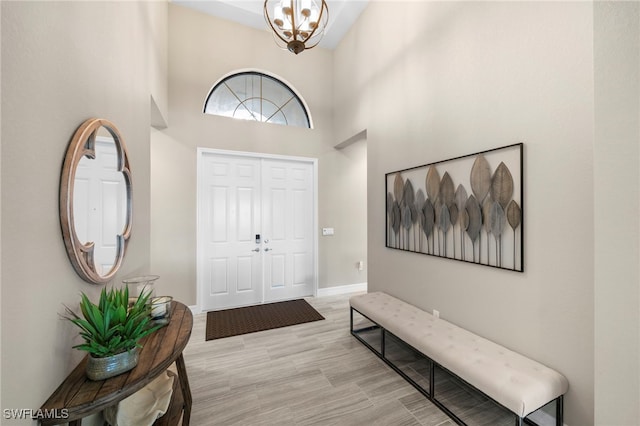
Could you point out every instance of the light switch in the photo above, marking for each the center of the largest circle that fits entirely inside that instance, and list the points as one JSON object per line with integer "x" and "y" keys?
{"x": 327, "y": 231}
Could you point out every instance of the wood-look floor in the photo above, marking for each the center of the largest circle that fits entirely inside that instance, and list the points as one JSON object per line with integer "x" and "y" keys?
{"x": 308, "y": 374}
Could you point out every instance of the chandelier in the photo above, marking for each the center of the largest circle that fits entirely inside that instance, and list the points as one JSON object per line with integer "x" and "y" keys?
{"x": 297, "y": 24}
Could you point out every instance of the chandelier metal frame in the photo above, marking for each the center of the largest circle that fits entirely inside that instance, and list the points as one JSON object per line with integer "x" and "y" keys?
{"x": 297, "y": 25}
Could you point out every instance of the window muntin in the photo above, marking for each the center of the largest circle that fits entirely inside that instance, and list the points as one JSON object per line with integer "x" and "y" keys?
{"x": 256, "y": 96}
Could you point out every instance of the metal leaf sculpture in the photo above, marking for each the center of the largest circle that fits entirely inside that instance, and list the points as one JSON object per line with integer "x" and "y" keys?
{"x": 429, "y": 221}
{"x": 514, "y": 217}
{"x": 447, "y": 194}
{"x": 396, "y": 219}
{"x": 419, "y": 204}
{"x": 414, "y": 213}
{"x": 480, "y": 178}
{"x": 486, "y": 214}
{"x": 398, "y": 187}
{"x": 444, "y": 223}
{"x": 432, "y": 183}
{"x": 464, "y": 225}
{"x": 406, "y": 223}
{"x": 437, "y": 210}
{"x": 502, "y": 185}
{"x": 447, "y": 197}
{"x": 453, "y": 215}
{"x": 408, "y": 196}
{"x": 444, "y": 218}
{"x": 414, "y": 221}
{"x": 465, "y": 219}
{"x": 389, "y": 203}
{"x": 398, "y": 191}
{"x": 461, "y": 200}
{"x": 406, "y": 217}
{"x": 474, "y": 219}
{"x": 498, "y": 220}
{"x": 514, "y": 214}
{"x": 486, "y": 224}
{"x": 420, "y": 198}
{"x": 437, "y": 206}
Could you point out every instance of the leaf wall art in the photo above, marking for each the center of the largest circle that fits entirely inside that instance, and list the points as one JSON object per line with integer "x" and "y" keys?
{"x": 467, "y": 208}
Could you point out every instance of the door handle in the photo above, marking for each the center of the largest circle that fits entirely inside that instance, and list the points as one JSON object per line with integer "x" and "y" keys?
{"x": 257, "y": 249}
{"x": 267, "y": 249}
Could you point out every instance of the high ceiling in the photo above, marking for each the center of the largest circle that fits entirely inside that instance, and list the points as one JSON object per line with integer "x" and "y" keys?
{"x": 342, "y": 14}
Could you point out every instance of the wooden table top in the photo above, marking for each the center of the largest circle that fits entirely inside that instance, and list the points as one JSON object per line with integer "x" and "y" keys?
{"x": 78, "y": 397}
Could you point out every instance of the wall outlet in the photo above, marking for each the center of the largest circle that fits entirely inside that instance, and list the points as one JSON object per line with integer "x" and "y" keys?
{"x": 436, "y": 313}
{"x": 360, "y": 265}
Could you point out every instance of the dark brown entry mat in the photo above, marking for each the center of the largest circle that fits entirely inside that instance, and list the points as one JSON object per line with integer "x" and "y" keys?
{"x": 249, "y": 319}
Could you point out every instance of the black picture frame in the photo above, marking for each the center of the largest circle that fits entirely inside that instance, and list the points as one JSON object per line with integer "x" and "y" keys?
{"x": 434, "y": 209}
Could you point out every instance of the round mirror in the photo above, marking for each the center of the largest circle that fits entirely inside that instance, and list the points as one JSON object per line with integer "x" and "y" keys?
{"x": 95, "y": 200}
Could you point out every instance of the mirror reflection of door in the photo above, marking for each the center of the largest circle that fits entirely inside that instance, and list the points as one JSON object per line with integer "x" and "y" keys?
{"x": 100, "y": 201}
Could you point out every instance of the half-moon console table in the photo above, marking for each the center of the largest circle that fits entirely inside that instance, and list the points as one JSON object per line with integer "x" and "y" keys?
{"x": 79, "y": 397}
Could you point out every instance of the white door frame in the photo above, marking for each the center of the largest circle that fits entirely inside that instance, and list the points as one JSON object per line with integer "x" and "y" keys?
{"x": 201, "y": 151}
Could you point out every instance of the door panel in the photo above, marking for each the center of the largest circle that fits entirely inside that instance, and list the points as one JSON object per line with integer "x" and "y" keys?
{"x": 277, "y": 270}
{"x": 245, "y": 196}
{"x": 218, "y": 270}
{"x": 245, "y": 276}
{"x": 231, "y": 221}
{"x": 217, "y": 217}
{"x": 288, "y": 204}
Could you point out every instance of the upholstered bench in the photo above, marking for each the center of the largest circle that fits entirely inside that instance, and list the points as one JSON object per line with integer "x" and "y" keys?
{"x": 514, "y": 381}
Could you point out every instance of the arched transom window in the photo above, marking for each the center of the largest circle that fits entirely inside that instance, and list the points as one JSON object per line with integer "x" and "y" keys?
{"x": 252, "y": 95}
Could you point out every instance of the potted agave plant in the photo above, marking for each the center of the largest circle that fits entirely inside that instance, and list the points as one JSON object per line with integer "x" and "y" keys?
{"x": 112, "y": 330}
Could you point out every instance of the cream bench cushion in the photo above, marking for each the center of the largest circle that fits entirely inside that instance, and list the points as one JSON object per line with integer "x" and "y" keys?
{"x": 515, "y": 381}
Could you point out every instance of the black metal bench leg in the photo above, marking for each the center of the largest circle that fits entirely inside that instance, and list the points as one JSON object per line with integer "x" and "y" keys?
{"x": 518, "y": 420}
{"x": 383, "y": 342}
{"x": 560, "y": 410}
{"x": 351, "y": 322}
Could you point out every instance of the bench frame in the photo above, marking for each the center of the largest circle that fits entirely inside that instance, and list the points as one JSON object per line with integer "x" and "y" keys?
{"x": 430, "y": 394}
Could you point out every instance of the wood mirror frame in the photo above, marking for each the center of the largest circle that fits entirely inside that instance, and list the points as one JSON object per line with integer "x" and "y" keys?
{"x": 81, "y": 254}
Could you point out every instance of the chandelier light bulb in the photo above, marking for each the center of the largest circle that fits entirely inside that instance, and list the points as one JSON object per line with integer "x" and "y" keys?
{"x": 305, "y": 8}
{"x": 286, "y": 6}
{"x": 277, "y": 16}
{"x": 313, "y": 18}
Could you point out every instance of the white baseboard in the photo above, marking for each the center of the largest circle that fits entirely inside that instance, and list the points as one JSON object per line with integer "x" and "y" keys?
{"x": 322, "y": 292}
{"x": 342, "y": 289}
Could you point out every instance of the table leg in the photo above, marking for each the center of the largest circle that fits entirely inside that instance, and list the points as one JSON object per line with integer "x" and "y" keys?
{"x": 186, "y": 390}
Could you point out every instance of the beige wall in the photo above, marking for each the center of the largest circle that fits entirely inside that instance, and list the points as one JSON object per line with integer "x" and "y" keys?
{"x": 461, "y": 77}
{"x": 617, "y": 232}
{"x": 63, "y": 62}
{"x": 203, "y": 49}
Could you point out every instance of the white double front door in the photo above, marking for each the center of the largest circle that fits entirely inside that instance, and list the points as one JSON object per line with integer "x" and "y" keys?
{"x": 256, "y": 222}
